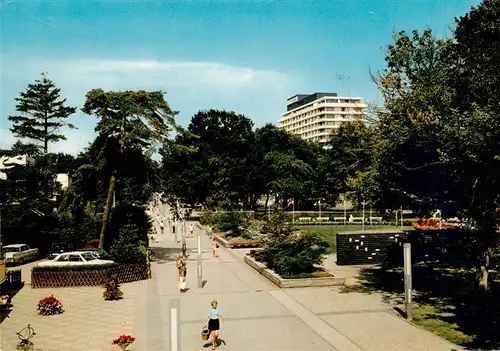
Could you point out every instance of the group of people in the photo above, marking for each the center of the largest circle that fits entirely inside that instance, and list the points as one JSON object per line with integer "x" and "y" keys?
{"x": 215, "y": 319}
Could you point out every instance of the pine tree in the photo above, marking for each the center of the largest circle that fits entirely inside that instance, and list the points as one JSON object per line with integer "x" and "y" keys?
{"x": 42, "y": 113}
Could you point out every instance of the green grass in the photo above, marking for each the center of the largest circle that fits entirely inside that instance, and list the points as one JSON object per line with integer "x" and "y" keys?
{"x": 431, "y": 318}
{"x": 329, "y": 232}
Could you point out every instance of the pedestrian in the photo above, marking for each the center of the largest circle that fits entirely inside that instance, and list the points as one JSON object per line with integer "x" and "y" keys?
{"x": 191, "y": 230}
{"x": 215, "y": 321}
{"x": 214, "y": 247}
{"x": 181, "y": 272}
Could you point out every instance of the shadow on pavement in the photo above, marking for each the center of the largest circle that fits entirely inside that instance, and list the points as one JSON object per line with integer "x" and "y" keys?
{"x": 444, "y": 295}
{"x": 164, "y": 255}
{"x": 11, "y": 290}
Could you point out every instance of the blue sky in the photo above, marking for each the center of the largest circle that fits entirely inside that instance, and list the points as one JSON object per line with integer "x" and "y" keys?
{"x": 246, "y": 56}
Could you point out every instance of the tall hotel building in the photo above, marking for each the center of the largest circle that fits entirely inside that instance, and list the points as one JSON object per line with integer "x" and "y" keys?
{"x": 315, "y": 117}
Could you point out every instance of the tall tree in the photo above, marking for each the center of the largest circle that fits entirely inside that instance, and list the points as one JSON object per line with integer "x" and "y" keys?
{"x": 134, "y": 119}
{"x": 215, "y": 161}
{"x": 43, "y": 113}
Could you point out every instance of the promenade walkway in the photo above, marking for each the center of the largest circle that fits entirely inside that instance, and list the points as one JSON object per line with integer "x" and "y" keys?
{"x": 260, "y": 316}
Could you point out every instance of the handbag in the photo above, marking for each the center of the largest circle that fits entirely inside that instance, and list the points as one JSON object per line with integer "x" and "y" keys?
{"x": 205, "y": 333}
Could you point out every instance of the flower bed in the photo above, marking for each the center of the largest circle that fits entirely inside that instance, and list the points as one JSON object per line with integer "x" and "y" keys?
{"x": 49, "y": 306}
{"x": 432, "y": 223}
{"x": 58, "y": 277}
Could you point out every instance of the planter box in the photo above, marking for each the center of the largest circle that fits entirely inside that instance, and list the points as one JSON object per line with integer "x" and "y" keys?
{"x": 236, "y": 243}
{"x": 223, "y": 242}
{"x": 291, "y": 283}
{"x": 89, "y": 277}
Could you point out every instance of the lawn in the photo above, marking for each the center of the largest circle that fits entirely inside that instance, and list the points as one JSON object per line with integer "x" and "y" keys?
{"x": 329, "y": 232}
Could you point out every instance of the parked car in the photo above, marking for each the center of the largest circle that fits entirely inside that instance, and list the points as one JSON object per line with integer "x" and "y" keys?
{"x": 74, "y": 258}
{"x": 59, "y": 248}
{"x": 19, "y": 253}
{"x": 99, "y": 253}
{"x": 92, "y": 244}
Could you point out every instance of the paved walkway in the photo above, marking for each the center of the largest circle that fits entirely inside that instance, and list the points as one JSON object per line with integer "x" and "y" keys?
{"x": 258, "y": 315}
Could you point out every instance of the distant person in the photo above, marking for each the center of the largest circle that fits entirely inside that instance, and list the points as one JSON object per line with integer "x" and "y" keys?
{"x": 214, "y": 323}
{"x": 214, "y": 247}
{"x": 181, "y": 272}
{"x": 351, "y": 218}
{"x": 162, "y": 226}
{"x": 191, "y": 230}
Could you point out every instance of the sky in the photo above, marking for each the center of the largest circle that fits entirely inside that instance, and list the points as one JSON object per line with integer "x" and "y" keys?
{"x": 244, "y": 56}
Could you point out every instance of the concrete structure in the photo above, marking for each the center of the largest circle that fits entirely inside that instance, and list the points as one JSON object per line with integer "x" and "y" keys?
{"x": 8, "y": 162}
{"x": 314, "y": 117}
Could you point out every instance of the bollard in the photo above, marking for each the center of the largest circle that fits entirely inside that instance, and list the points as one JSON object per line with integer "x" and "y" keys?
{"x": 175, "y": 325}
{"x": 408, "y": 281}
{"x": 200, "y": 260}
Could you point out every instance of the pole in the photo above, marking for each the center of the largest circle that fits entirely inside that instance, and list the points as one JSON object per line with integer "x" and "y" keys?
{"x": 371, "y": 215}
{"x": 268, "y": 211}
{"x": 401, "y": 217}
{"x": 293, "y": 211}
{"x": 363, "y": 226}
{"x": 200, "y": 260}
{"x": 319, "y": 207}
{"x": 408, "y": 281}
{"x": 345, "y": 211}
{"x": 397, "y": 221}
{"x": 175, "y": 325}
{"x": 183, "y": 238}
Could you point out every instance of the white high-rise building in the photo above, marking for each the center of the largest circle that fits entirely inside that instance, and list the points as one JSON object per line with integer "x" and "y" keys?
{"x": 315, "y": 117}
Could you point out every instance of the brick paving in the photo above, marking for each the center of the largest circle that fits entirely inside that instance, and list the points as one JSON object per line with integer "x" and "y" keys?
{"x": 259, "y": 316}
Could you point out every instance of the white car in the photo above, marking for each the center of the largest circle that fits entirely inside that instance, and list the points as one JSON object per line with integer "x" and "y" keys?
{"x": 19, "y": 253}
{"x": 74, "y": 259}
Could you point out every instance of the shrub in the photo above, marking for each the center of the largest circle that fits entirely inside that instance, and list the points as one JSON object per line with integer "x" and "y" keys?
{"x": 49, "y": 306}
{"x": 127, "y": 247}
{"x": 83, "y": 267}
{"x": 293, "y": 256}
{"x": 232, "y": 223}
{"x": 112, "y": 290}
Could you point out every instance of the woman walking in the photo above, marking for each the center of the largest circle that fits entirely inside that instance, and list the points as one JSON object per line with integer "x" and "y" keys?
{"x": 214, "y": 248}
{"x": 215, "y": 320}
{"x": 181, "y": 273}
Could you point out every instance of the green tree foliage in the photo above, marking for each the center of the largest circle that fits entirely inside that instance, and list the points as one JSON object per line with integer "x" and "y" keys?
{"x": 214, "y": 163}
{"x": 126, "y": 248}
{"x": 438, "y": 146}
{"x": 42, "y": 113}
{"x": 134, "y": 119}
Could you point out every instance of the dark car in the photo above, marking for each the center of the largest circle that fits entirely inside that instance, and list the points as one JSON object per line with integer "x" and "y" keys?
{"x": 59, "y": 248}
{"x": 99, "y": 253}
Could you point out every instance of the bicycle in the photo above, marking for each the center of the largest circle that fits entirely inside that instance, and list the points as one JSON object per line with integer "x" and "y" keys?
{"x": 25, "y": 335}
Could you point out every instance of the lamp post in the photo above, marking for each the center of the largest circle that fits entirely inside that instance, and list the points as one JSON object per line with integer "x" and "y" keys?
{"x": 363, "y": 226}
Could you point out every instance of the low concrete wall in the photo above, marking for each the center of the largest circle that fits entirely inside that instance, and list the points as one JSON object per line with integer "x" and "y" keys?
{"x": 222, "y": 241}
{"x": 291, "y": 283}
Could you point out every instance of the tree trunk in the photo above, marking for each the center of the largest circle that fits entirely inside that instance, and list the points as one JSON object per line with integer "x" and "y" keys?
{"x": 483, "y": 270}
{"x": 107, "y": 209}
{"x": 46, "y": 139}
{"x": 267, "y": 201}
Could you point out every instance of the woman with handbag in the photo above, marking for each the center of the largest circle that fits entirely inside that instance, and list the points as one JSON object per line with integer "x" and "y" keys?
{"x": 214, "y": 323}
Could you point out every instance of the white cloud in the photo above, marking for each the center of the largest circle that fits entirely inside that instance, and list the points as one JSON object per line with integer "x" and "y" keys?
{"x": 258, "y": 93}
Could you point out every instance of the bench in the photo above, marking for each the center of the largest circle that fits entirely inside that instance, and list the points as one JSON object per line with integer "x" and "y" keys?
{"x": 304, "y": 219}
{"x": 322, "y": 219}
{"x": 357, "y": 219}
{"x": 339, "y": 219}
{"x": 376, "y": 219}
